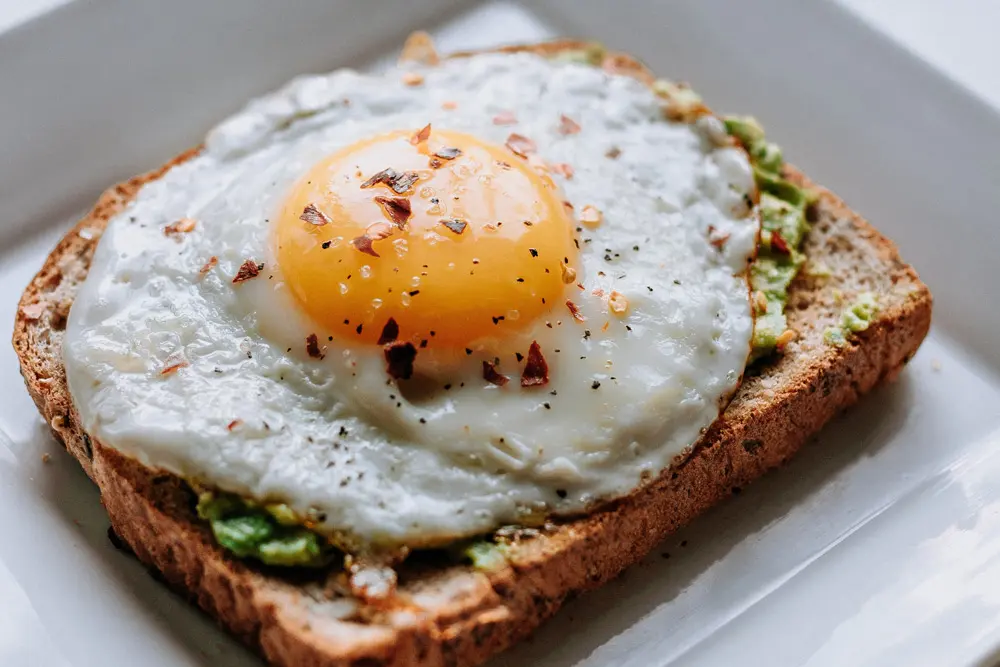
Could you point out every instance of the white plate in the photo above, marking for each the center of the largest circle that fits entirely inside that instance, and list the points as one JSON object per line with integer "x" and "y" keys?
{"x": 878, "y": 545}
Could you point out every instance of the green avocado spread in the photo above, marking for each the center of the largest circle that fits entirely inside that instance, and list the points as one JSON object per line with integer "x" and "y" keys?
{"x": 269, "y": 533}
{"x": 484, "y": 555}
{"x": 783, "y": 226}
{"x": 274, "y": 535}
{"x": 855, "y": 317}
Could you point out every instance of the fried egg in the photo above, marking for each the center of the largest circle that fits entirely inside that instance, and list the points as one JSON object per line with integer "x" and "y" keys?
{"x": 419, "y": 305}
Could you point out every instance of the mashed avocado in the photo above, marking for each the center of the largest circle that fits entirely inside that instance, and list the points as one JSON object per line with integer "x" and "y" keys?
{"x": 783, "y": 226}
{"x": 271, "y": 533}
{"x": 855, "y": 317}
{"x": 484, "y": 556}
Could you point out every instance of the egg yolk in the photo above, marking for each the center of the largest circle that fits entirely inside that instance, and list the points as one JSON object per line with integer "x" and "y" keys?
{"x": 452, "y": 237}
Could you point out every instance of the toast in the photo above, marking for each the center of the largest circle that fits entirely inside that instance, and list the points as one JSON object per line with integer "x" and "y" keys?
{"x": 452, "y": 614}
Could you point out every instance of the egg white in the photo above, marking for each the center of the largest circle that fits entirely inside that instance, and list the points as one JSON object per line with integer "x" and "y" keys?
{"x": 386, "y": 464}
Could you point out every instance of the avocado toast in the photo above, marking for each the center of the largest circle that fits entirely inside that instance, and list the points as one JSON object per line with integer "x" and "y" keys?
{"x": 453, "y": 612}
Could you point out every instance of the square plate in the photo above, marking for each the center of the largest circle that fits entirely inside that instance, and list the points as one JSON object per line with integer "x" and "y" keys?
{"x": 877, "y": 545}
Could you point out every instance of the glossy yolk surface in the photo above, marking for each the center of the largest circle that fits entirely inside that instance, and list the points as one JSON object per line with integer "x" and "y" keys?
{"x": 460, "y": 239}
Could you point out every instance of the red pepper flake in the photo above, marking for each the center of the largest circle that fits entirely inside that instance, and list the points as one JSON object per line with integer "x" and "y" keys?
{"x": 505, "y": 118}
{"x": 454, "y": 224}
{"x": 716, "y": 239}
{"x": 568, "y": 126}
{"x": 233, "y": 424}
{"x": 209, "y": 265}
{"x": 173, "y": 364}
{"x": 520, "y": 145}
{"x": 390, "y": 332}
{"x": 493, "y": 376}
{"x": 33, "y": 311}
{"x": 536, "y": 370}
{"x": 574, "y": 310}
{"x": 182, "y": 226}
{"x": 397, "y": 209}
{"x": 312, "y": 347}
{"x": 422, "y": 135}
{"x": 563, "y": 169}
{"x": 448, "y": 153}
{"x": 384, "y": 176}
{"x": 399, "y": 358}
{"x": 364, "y": 244}
{"x": 314, "y": 216}
{"x": 375, "y": 232}
{"x": 779, "y": 244}
{"x": 248, "y": 269}
{"x": 400, "y": 183}
{"x": 449, "y": 105}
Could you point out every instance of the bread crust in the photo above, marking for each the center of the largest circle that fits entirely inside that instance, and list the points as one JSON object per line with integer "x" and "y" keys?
{"x": 452, "y": 614}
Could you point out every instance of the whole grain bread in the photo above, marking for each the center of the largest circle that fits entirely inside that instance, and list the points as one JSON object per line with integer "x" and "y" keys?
{"x": 448, "y": 614}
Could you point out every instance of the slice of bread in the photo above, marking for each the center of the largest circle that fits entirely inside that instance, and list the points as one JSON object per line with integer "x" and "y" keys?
{"x": 450, "y": 614}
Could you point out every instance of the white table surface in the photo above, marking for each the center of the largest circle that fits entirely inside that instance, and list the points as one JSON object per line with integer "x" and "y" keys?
{"x": 956, "y": 36}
